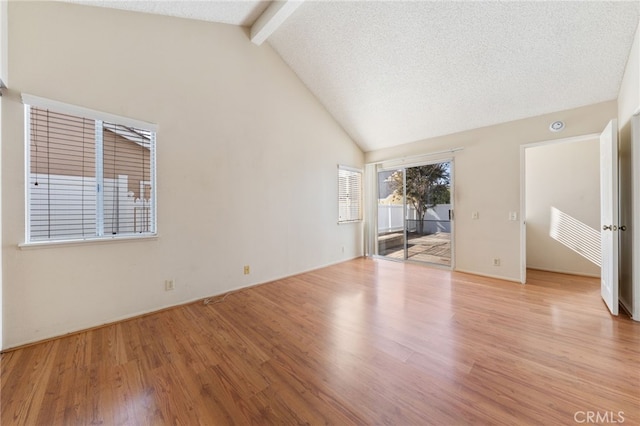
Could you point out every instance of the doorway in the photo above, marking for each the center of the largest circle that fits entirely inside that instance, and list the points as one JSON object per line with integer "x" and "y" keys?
{"x": 561, "y": 206}
{"x": 415, "y": 213}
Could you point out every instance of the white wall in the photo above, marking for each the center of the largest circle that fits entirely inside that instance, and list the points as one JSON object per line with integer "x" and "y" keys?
{"x": 563, "y": 176}
{"x": 487, "y": 180}
{"x": 628, "y": 104}
{"x": 240, "y": 138}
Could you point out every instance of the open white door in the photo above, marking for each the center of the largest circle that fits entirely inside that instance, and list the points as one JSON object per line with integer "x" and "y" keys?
{"x": 609, "y": 215}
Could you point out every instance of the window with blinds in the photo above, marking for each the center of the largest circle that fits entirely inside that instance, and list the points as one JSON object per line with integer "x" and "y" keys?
{"x": 349, "y": 194}
{"x": 87, "y": 178}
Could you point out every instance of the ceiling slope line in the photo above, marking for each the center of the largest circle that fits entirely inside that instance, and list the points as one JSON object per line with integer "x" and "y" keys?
{"x": 271, "y": 19}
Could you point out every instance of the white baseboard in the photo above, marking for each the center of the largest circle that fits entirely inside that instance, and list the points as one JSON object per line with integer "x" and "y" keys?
{"x": 156, "y": 309}
{"x": 626, "y": 306}
{"x": 497, "y": 277}
{"x": 579, "y": 274}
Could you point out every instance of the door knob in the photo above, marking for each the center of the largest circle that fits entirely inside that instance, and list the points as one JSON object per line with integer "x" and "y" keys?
{"x": 606, "y": 227}
{"x": 623, "y": 228}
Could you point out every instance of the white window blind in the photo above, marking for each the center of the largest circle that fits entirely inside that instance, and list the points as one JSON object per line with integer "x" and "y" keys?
{"x": 87, "y": 178}
{"x": 349, "y": 194}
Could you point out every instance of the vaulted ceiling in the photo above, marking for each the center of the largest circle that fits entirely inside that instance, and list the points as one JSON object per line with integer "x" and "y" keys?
{"x": 393, "y": 72}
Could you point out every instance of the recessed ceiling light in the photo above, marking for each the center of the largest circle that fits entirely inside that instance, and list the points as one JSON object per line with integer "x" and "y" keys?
{"x": 556, "y": 126}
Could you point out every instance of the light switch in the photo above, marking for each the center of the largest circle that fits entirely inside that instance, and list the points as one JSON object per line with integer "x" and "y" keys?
{"x": 513, "y": 215}
{"x": 475, "y": 215}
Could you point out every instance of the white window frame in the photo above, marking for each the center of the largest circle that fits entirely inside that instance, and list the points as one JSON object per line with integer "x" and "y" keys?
{"x": 99, "y": 117}
{"x": 358, "y": 172}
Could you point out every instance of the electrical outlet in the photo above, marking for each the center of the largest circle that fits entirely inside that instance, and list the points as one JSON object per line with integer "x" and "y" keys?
{"x": 496, "y": 261}
{"x": 169, "y": 285}
{"x": 343, "y": 249}
{"x": 247, "y": 270}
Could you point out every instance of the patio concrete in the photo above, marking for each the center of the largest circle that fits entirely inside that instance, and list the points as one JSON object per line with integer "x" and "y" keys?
{"x": 434, "y": 248}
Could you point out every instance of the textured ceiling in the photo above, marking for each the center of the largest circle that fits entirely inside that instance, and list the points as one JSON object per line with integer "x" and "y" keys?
{"x": 238, "y": 12}
{"x": 397, "y": 72}
{"x": 393, "y": 72}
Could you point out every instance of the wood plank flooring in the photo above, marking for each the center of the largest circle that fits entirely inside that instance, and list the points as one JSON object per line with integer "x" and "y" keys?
{"x": 362, "y": 342}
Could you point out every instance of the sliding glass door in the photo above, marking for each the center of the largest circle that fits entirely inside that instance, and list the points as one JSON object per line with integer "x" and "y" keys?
{"x": 391, "y": 213}
{"x": 415, "y": 213}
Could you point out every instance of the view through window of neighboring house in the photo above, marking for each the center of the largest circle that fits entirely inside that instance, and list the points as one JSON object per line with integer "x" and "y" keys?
{"x": 349, "y": 194}
{"x": 87, "y": 178}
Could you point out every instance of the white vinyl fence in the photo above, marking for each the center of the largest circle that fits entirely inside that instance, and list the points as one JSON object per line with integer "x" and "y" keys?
{"x": 390, "y": 219}
{"x": 64, "y": 207}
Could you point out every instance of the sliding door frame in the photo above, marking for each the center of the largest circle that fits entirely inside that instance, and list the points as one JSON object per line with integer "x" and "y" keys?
{"x": 402, "y": 165}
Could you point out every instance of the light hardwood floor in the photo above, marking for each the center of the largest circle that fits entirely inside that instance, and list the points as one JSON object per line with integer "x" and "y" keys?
{"x": 362, "y": 342}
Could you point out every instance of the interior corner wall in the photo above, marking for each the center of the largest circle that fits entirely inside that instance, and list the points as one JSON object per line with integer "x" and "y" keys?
{"x": 246, "y": 159}
{"x": 562, "y": 176}
{"x": 3, "y": 77}
{"x": 629, "y": 172}
{"x": 487, "y": 181}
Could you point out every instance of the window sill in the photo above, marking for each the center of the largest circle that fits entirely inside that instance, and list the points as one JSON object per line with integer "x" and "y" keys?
{"x": 86, "y": 241}
{"x": 346, "y": 222}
